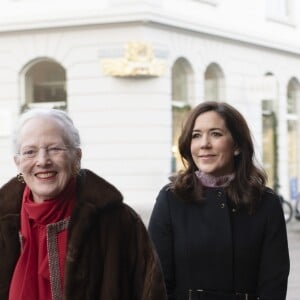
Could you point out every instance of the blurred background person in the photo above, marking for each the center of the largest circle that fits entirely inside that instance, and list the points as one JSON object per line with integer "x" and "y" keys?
{"x": 65, "y": 233}
{"x": 219, "y": 231}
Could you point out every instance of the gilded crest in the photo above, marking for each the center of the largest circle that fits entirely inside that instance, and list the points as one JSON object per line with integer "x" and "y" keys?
{"x": 138, "y": 61}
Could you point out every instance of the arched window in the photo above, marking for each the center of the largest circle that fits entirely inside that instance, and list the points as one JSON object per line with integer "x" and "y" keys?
{"x": 45, "y": 85}
{"x": 293, "y": 98}
{"x": 182, "y": 98}
{"x": 269, "y": 129}
{"x": 214, "y": 84}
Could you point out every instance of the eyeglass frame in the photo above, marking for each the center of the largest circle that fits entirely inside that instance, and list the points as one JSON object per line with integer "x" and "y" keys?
{"x": 51, "y": 151}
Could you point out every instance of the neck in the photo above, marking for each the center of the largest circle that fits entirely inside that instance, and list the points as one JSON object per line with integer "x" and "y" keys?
{"x": 209, "y": 180}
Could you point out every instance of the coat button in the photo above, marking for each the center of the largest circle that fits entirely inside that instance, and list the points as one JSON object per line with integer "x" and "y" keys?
{"x": 219, "y": 194}
{"x": 222, "y": 205}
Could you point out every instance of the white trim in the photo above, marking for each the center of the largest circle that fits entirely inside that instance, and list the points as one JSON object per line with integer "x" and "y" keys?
{"x": 284, "y": 21}
{"x": 292, "y": 117}
{"x": 180, "y": 104}
{"x": 46, "y": 104}
{"x": 210, "y": 2}
{"x": 148, "y": 17}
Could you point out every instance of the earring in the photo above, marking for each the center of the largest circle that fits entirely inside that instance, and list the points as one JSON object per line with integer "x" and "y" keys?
{"x": 236, "y": 152}
{"x": 20, "y": 178}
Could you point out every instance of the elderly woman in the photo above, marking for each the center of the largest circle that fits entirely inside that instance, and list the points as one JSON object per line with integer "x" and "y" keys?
{"x": 64, "y": 232}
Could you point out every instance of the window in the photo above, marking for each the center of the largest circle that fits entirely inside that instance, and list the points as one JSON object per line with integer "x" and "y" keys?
{"x": 269, "y": 142}
{"x": 269, "y": 130}
{"x": 279, "y": 10}
{"x": 182, "y": 97}
{"x": 214, "y": 89}
{"x": 293, "y": 98}
{"x": 45, "y": 85}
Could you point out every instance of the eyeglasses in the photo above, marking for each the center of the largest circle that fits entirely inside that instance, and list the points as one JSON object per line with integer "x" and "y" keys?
{"x": 52, "y": 151}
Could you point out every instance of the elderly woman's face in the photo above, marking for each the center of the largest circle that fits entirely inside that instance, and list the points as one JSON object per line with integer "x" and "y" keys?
{"x": 45, "y": 160}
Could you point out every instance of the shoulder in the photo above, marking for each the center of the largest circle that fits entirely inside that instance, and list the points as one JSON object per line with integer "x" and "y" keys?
{"x": 270, "y": 205}
{"x": 166, "y": 192}
{"x": 124, "y": 220}
{"x": 96, "y": 191}
{"x": 11, "y": 196}
{"x": 270, "y": 198}
{"x": 130, "y": 214}
{"x": 167, "y": 203}
{"x": 167, "y": 196}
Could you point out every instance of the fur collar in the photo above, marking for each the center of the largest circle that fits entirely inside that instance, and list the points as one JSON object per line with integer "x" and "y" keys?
{"x": 96, "y": 191}
{"x": 92, "y": 191}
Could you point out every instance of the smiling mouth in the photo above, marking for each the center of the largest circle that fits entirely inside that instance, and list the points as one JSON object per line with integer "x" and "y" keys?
{"x": 207, "y": 156}
{"x": 46, "y": 175}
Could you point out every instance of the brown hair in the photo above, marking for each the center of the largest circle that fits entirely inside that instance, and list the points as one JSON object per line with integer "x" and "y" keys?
{"x": 249, "y": 182}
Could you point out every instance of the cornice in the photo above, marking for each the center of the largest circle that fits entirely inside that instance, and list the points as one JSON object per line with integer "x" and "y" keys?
{"x": 144, "y": 15}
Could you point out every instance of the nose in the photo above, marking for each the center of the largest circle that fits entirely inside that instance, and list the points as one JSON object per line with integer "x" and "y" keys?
{"x": 205, "y": 141}
{"x": 42, "y": 157}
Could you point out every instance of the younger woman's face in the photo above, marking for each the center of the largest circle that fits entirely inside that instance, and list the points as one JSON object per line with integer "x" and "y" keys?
{"x": 212, "y": 145}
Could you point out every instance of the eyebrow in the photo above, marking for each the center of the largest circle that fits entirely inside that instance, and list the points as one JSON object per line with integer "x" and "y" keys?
{"x": 47, "y": 146}
{"x": 210, "y": 129}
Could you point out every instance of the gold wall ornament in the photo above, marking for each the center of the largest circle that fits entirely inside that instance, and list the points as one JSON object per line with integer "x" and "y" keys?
{"x": 138, "y": 61}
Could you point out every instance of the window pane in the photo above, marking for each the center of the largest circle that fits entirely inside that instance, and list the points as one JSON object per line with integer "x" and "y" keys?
{"x": 45, "y": 82}
{"x": 49, "y": 93}
{"x": 278, "y": 8}
{"x": 269, "y": 151}
{"x": 214, "y": 85}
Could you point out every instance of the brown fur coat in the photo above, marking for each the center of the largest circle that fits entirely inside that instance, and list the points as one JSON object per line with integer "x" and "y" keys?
{"x": 109, "y": 253}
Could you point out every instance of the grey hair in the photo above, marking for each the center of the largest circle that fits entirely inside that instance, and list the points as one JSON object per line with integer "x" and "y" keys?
{"x": 70, "y": 131}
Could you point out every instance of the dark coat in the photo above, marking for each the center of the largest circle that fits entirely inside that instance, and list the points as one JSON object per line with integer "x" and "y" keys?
{"x": 109, "y": 253}
{"x": 212, "y": 246}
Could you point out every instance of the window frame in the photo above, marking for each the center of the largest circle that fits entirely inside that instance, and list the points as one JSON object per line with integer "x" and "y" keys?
{"x": 275, "y": 16}
{"x": 28, "y": 87}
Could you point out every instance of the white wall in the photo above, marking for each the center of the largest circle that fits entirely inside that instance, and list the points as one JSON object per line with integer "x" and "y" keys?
{"x": 125, "y": 123}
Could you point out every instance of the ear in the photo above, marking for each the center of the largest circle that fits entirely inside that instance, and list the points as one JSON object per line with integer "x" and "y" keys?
{"x": 78, "y": 154}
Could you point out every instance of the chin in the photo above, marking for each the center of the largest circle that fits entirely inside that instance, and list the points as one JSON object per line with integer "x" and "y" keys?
{"x": 208, "y": 171}
{"x": 46, "y": 196}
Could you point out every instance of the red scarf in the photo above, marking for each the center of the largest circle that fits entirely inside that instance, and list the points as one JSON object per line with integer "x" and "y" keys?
{"x": 31, "y": 278}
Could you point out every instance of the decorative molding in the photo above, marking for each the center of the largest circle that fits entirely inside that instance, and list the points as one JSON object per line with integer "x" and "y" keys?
{"x": 282, "y": 20}
{"x": 138, "y": 61}
{"x": 211, "y": 2}
{"x": 152, "y": 18}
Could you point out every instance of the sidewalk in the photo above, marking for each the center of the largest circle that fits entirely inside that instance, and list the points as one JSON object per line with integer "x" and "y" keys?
{"x": 293, "y": 229}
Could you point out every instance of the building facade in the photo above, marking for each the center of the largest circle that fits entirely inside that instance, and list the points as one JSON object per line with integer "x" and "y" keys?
{"x": 128, "y": 71}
